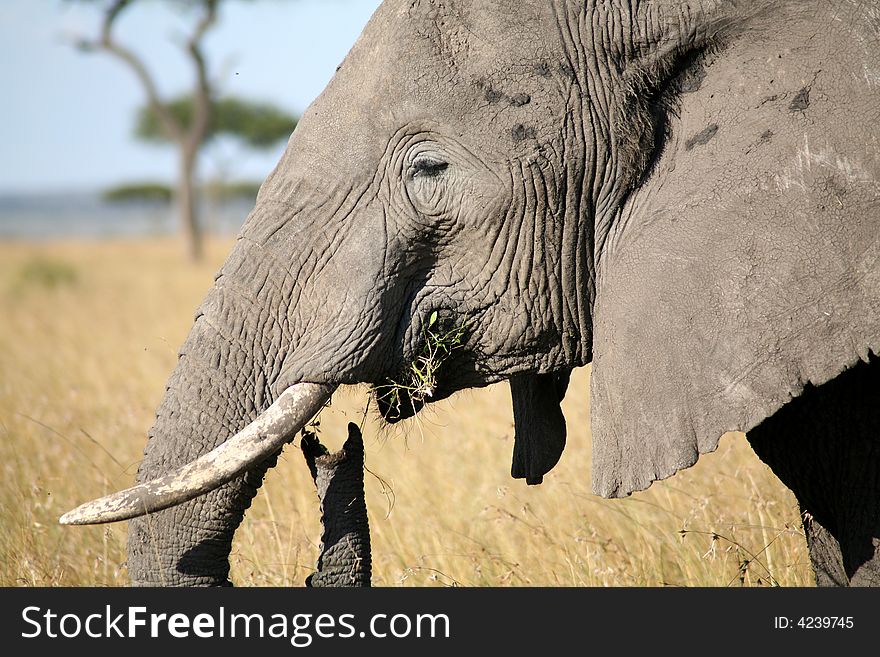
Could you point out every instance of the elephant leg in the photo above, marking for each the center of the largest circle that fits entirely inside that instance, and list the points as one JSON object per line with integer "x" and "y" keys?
{"x": 825, "y": 554}
{"x": 825, "y": 446}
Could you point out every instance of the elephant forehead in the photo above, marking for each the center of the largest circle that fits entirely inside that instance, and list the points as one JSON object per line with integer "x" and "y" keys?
{"x": 486, "y": 68}
{"x": 484, "y": 73}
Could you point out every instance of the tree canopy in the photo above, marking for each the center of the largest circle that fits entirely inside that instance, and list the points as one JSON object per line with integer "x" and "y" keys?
{"x": 154, "y": 192}
{"x": 257, "y": 124}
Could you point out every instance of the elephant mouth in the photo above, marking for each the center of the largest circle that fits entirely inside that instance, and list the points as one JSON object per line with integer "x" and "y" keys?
{"x": 396, "y": 403}
{"x": 428, "y": 372}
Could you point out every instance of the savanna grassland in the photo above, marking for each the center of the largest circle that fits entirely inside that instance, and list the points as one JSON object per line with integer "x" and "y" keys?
{"x": 88, "y": 336}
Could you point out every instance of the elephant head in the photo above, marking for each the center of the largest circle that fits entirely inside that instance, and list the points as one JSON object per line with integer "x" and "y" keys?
{"x": 509, "y": 189}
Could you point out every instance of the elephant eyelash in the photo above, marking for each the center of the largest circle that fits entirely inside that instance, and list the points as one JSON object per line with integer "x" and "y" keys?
{"x": 427, "y": 167}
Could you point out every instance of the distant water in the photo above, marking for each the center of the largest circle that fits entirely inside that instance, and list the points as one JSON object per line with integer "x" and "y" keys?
{"x": 52, "y": 216}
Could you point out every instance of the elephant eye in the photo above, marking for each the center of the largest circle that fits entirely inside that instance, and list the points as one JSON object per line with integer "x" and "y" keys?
{"x": 427, "y": 166}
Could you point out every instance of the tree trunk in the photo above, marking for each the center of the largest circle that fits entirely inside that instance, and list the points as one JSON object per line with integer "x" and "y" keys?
{"x": 187, "y": 203}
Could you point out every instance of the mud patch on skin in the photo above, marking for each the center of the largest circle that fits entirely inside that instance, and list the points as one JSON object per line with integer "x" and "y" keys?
{"x": 490, "y": 93}
{"x": 542, "y": 69}
{"x": 567, "y": 72}
{"x": 494, "y": 96}
{"x": 692, "y": 79}
{"x": 545, "y": 70}
{"x": 770, "y": 99}
{"x": 764, "y": 138}
{"x": 801, "y": 102}
{"x": 703, "y": 137}
{"x": 519, "y": 133}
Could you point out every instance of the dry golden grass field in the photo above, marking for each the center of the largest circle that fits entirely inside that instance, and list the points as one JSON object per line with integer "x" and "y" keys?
{"x": 88, "y": 335}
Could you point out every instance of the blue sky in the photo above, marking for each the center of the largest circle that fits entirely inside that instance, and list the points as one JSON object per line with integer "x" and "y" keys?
{"x": 67, "y": 117}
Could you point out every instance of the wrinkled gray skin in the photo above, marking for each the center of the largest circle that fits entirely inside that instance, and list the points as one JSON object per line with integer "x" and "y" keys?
{"x": 345, "y": 559}
{"x": 683, "y": 193}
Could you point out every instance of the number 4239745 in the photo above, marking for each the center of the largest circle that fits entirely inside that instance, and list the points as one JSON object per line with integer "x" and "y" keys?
{"x": 813, "y": 622}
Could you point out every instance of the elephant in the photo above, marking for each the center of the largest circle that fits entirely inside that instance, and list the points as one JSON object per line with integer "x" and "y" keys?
{"x": 684, "y": 194}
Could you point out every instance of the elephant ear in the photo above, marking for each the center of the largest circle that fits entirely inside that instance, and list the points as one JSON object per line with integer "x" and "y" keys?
{"x": 539, "y": 424}
{"x": 746, "y": 266}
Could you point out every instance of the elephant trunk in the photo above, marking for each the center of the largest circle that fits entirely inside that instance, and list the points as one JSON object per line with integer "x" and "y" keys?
{"x": 274, "y": 331}
{"x": 226, "y": 376}
{"x": 345, "y": 558}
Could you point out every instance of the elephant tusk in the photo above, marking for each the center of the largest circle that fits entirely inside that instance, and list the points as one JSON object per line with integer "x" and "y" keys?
{"x": 263, "y": 437}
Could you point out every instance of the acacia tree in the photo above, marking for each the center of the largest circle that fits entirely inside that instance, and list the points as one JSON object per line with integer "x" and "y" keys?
{"x": 257, "y": 125}
{"x": 187, "y": 130}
